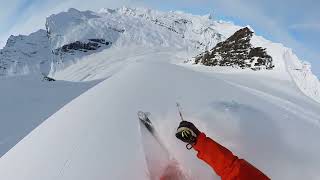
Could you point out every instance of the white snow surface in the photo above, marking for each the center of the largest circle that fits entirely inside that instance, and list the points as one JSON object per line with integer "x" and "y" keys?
{"x": 127, "y": 26}
{"x": 270, "y": 117}
{"x": 26, "y": 102}
{"x": 285, "y": 60}
{"x": 265, "y": 120}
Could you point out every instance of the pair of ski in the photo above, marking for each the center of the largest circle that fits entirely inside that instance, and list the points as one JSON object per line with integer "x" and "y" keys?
{"x": 161, "y": 164}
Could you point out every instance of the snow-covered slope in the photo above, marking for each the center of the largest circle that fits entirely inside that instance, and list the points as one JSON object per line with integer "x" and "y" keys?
{"x": 285, "y": 60}
{"x": 26, "y": 102}
{"x": 277, "y": 129}
{"x": 262, "y": 116}
{"x": 137, "y": 26}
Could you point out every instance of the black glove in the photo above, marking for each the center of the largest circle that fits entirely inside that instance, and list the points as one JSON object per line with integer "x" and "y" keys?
{"x": 187, "y": 132}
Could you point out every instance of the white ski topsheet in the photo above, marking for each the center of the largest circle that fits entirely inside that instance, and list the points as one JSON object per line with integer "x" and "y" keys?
{"x": 96, "y": 136}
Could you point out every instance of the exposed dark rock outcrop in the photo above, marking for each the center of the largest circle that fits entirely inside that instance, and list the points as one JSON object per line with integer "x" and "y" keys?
{"x": 46, "y": 78}
{"x": 93, "y": 44}
{"x": 101, "y": 41}
{"x": 237, "y": 51}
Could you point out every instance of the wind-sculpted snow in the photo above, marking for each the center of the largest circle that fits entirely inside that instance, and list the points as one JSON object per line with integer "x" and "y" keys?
{"x": 202, "y": 31}
{"x": 71, "y": 26}
{"x": 287, "y": 62}
{"x": 302, "y": 75}
{"x": 70, "y": 53}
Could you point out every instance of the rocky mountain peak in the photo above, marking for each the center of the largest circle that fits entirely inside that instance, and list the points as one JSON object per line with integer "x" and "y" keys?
{"x": 237, "y": 51}
{"x": 242, "y": 35}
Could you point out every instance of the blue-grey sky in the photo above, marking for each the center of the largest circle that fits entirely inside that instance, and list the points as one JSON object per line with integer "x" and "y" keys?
{"x": 294, "y": 23}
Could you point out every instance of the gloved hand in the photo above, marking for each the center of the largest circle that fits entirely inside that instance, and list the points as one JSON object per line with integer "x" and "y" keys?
{"x": 187, "y": 132}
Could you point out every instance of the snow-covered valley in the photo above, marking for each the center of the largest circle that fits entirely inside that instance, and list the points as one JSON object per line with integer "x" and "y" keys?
{"x": 84, "y": 125}
{"x": 26, "y": 102}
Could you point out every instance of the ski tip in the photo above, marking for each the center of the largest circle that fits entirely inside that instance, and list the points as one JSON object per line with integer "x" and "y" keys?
{"x": 147, "y": 114}
{"x": 143, "y": 115}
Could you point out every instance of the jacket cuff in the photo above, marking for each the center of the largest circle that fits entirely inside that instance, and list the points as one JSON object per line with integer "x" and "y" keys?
{"x": 200, "y": 142}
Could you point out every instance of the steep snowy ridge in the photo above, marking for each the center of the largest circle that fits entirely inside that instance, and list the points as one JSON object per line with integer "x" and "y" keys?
{"x": 299, "y": 71}
{"x": 130, "y": 27}
{"x": 203, "y": 31}
{"x": 127, "y": 28}
{"x": 302, "y": 75}
{"x": 73, "y": 25}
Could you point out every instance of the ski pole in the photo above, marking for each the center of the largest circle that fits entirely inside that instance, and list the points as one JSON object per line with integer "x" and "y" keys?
{"x": 188, "y": 146}
{"x": 179, "y": 110}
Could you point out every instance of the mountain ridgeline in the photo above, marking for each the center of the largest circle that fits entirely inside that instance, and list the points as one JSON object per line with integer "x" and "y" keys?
{"x": 237, "y": 51}
{"x": 74, "y": 36}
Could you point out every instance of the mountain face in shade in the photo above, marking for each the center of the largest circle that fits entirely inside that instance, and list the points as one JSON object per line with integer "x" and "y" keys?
{"x": 237, "y": 51}
{"x": 26, "y": 54}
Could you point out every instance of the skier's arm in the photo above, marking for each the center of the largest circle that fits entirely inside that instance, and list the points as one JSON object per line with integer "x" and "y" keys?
{"x": 224, "y": 163}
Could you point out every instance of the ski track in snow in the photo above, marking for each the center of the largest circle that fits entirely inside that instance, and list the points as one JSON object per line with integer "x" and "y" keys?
{"x": 285, "y": 104}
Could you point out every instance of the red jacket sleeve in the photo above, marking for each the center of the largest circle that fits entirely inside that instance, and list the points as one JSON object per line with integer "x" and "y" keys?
{"x": 224, "y": 163}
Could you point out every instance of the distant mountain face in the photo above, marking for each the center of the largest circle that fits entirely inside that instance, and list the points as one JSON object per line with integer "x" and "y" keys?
{"x": 202, "y": 31}
{"x": 26, "y": 54}
{"x": 129, "y": 27}
{"x": 75, "y": 35}
{"x": 71, "y": 35}
{"x": 237, "y": 51}
{"x": 138, "y": 27}
{"x": 78, "y": 49}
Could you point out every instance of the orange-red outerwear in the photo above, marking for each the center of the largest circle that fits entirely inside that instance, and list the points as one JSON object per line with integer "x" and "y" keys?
{"x": 224, "y": 163}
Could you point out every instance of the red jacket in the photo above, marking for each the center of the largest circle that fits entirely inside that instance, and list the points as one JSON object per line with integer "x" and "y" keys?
{"x": 224, "y": 163}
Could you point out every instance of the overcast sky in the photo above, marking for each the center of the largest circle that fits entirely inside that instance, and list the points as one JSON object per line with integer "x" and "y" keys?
{"x": 294, "y": 23}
